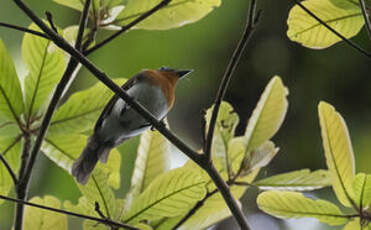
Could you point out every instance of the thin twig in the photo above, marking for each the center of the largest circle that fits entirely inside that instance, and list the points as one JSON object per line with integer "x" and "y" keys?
{"x": 366, "y": 16}
{"x": 250, "y": 26}
{"x": 349, "y": 42}
{"x": 49, "y": 17}
{"x": 6, "y": 164}
{"x": 100, "y": 220}
{"x": 83, "y": 23}
{"x": 23, "y": 29}
{"x": 97, "y": 209}
{"x": 128, "y": 26}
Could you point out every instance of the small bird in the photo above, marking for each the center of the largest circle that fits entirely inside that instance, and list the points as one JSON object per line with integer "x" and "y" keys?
{"x": 154, "y": 89}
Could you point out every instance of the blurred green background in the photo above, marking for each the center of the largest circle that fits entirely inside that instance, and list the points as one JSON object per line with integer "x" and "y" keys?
{"x": 338, "y": 75}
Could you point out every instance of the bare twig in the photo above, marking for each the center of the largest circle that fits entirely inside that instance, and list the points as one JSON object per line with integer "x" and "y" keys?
{"x": 349, "y": 42}
{"x": 23, "y": 29}
{"x": 49, "y": 17}
{"x": 128, "y": 26}
{"x": 6, "y": 164}
{"x": 97, "y": 209}
{"x": 366, "y": 16}
{"x": 100, "y": 220}
{"x": 251, "y": 22}
{"x": 83, "y": 23}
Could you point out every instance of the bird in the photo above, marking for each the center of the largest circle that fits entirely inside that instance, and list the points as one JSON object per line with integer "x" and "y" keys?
{"x": 152, "y": 88}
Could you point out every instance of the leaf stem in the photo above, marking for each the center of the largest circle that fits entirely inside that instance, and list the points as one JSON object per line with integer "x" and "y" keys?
{"x": 349, "y": 42}
{"x": 5, "y": 162}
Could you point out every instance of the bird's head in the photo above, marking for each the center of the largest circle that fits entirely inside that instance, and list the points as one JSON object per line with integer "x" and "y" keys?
{"x": 179, "y": 74}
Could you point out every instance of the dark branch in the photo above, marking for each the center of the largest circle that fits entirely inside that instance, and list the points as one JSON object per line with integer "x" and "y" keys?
{"x": 250, "y": 26}
{"x": 103, "y": 221}
{"x": 6, "y": 164}
{"x": 23, "y": 29}
{"x": 349, "y": 42}
{"x": 97, "y": 209}
{"x": 366, "y": 16}
{"x": 83, "y": 23}
{"x": 128, "y": 26}
{"x": 49, "y": 17}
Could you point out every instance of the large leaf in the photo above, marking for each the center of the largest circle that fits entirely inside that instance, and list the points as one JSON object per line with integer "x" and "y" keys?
{"x": 82, "y": 109}
{"x": 177, "y": 13}
{"x": 95, "y": 5}
{"x": 169, "y": 195}
{"x": 338, "y": 152}
{"x": 362, "y": 190}
{"x": 268, "y": 114}
{"x": 36, "y": 218}
{"x": 152, "y": 160}
{"x": 295, "y": 205}
{"x": 11, "y": 100}
{"x": 303, "y": 28}
{"x": 301, "y": 180}
{"x": 45, "y": 64}
{"x": 64, "y": 150}
{"x": 10, "y": 148}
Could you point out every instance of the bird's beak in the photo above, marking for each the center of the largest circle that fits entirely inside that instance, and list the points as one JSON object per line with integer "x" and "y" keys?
{"x": 183, "y": 73}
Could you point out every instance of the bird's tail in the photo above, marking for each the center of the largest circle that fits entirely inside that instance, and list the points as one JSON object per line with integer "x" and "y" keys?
{"x": 94, "y": 150}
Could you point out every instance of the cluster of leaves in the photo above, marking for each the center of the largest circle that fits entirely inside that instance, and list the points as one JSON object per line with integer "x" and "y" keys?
{"x": 345, "y": 16}
{"x": 353, "y": 191}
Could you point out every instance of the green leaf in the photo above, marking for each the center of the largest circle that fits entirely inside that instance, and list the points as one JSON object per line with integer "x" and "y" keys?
{"x": 45, "y": 64}
{"x": 81, "y": 111}
{"x": 338, "y": 152}
{"x": 169, "y": 195}
{"x": 225, "y": 126}
{"x": 64, "y": 150}
{"x": 300, "y": 180}
{"x": 304, "y": 29}
{"x": 353, "y": 225}
{"x": 36, "y": 218}
{"x": 268, "y": 114}
{"x": 177, "y": 13}
{"x": 74, "y": 4}
{"x": 295, "y": 205}
{"x": 11, "y": 149}
{"x": 362, "y": 190}
{"x": 152, "y": 160}
{"x": 11, "y": 99}
{"x": 8, "y": 128}
{"x": 96, "y": 4}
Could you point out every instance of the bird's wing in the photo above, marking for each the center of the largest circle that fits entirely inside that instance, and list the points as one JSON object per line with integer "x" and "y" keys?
{"x": 108, "y": 109}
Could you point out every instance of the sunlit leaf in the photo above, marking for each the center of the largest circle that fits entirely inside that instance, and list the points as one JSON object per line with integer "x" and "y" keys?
{"x": 11, "y": 149}
{"x": 303, "y": 28}
{"x": 177, "y": 13}
{"x": 8, "y": 128}
{"x": 268, "y": 114}
{"x": 64, "y": 150}
{"x": 301, "y": 180}
{"x": 11, "y": 99}
{"x": 338, "y": 152}
{"x": 169, "y": 195}
{"x": 82, "y": 110}
{"x": 295, "y": 205}
{"x": 40, "y": 219}
{"x": 95, "y": 5}
{"x": 353, "y": 225}
{"x": 362, "y": 190}
{"x": 45, "y": 64}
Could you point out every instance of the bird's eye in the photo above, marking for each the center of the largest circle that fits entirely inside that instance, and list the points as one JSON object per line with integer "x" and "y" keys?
{"x": 164, "y": 68}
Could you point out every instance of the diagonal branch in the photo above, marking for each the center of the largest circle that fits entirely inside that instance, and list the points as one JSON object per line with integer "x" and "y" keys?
{"x": 123, "y": 29}
{"x": 251, "y": 22}
{"x": 349, "y": 42}
{"x": 366, "y": 16}
{"x": 100, "y": 220}
{"x": 23, "y": 29}
{"x": 82, "y": 25}
{"x": 5, "y": 162}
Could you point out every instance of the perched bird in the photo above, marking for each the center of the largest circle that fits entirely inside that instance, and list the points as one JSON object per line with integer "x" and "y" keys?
{"x": 154, "y": 89}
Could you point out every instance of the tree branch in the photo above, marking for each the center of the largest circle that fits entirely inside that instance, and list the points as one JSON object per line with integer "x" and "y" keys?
{"x": 349, "y": 42}
{"x": 23, "y": 29}
{"x": 100, "y": 220}
{"x": 250, "y": 26}
{"x": 82, "y": 25}
{"x": 5, "y": 162}
{"x": 366, "y": 16}
{"x": 128, "y": 26}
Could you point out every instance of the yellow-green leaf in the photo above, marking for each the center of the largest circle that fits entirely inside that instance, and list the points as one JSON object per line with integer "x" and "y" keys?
{"x": 301, "y": 180}
{"x": 353, "y": 225}
{"x": 46, "y": 64}
{"x": 362, "y": 190}
{"x": 306, "y": 30}
{"x": 40, "y": 219}
{"x": 177, "y": 13}
{"x": 11, "y": 99}
{"x": 268, "y": 114}
{"x": 338, "y": 152}
{"x": 169, "y": 195}
{"x": 295, "y": 205}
